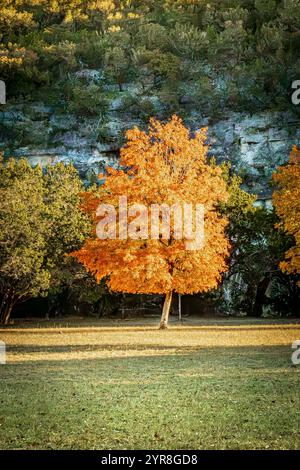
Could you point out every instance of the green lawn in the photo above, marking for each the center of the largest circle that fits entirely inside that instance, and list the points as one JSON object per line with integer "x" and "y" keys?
{"x": 223, "y": 386}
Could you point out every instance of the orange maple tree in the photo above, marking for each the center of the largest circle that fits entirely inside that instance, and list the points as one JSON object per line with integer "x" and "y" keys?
{"x": 165, "y": 165}
{"x": 287, "y": 205}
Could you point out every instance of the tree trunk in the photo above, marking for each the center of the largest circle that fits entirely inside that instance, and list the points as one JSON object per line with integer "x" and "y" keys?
{"x": 179, "y": 307}
{"x": 6, "y": 313}
{"x": 7, "y": 304}
{"x": 260, "y": 297}
{"x": 166, "y": 310}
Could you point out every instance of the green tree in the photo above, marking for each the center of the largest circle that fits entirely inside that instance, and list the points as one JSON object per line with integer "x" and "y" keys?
{"x": 23, "y": 273}
{"x": 118, "y": 65}
{"x": 67, "y": 225}
{"x": 40, "y": 221}
{"x": 257, "y": 248}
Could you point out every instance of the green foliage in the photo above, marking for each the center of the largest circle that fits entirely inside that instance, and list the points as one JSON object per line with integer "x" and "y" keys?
{"x": 86, "y": 100}
{"x": 40, "y": 221}
{"x": 257, "y": 249}
{"x": 239, "y": 203}
{"x": 118, "y": 65}
{"x": 152, "y": 36}
{"x": 250, "y": 44}
{"x": 61, "y": 56}
{"x": 189, "y": 41}
{"x": 67, "y": 225}
{"x": 23, "y": 229}
{"x": 91, "y": 49}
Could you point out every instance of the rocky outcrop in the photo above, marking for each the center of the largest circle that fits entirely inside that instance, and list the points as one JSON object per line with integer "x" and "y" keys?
{"x": 255, "y": 144}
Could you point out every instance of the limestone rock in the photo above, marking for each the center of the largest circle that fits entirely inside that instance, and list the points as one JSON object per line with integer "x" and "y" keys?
{"x": 255, "y": 144}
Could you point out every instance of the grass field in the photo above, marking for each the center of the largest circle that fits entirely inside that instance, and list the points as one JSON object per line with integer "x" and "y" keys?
{"x": 218, "y": 385}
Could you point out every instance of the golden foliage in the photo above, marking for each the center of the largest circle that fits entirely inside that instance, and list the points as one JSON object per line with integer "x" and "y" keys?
{"x": 287, "y": 204}
{"x": 163, "y": 166}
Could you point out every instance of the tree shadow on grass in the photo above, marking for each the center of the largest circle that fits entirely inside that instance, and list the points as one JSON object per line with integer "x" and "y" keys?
{"x": 274, "y": 325}
{"x": 183, "y": 359}
{"x": 110, "y": 348}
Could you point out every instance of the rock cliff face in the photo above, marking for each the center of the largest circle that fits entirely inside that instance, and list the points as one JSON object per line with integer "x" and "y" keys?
{"x": 255, "y": 144}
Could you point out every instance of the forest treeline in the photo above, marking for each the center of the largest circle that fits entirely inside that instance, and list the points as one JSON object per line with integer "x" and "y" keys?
{"x": 240, "y": 54}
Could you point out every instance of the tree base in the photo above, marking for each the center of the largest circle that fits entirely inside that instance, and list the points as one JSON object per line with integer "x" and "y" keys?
{"x": 166, "y": 311}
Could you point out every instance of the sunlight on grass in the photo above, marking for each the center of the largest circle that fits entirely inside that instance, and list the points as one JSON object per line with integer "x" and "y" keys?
{"x": 69, "y": 344}
{"x": 207, "y": 387}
